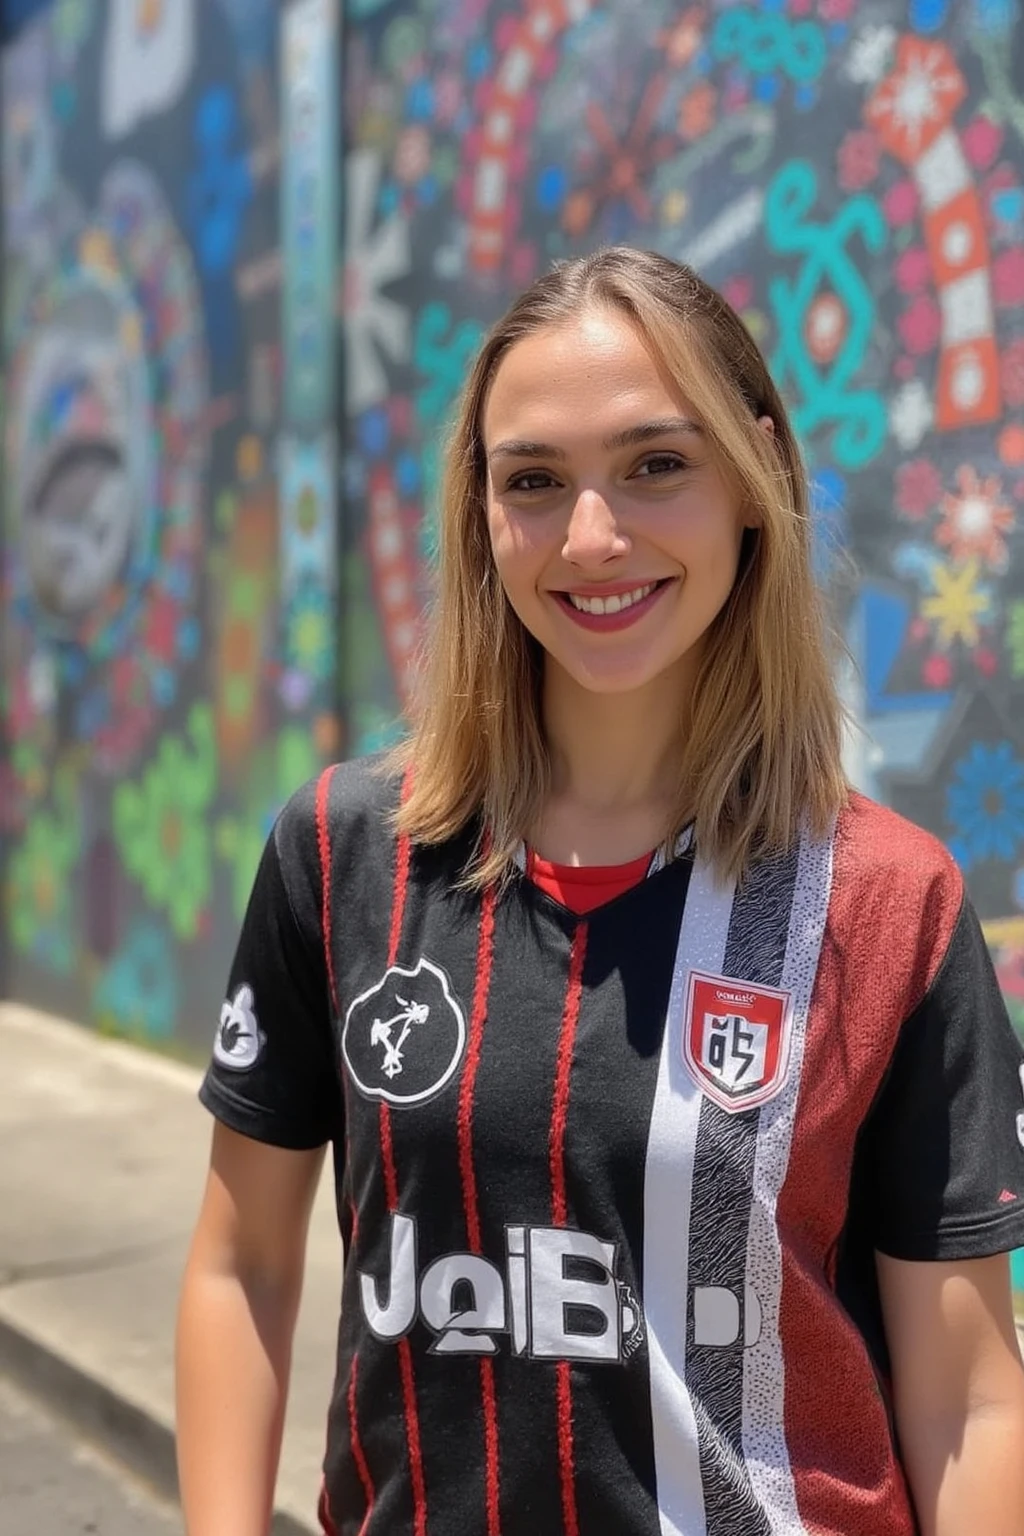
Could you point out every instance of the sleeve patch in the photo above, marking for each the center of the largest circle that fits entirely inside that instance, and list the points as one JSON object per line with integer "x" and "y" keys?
{"x": 239, "y": 1041}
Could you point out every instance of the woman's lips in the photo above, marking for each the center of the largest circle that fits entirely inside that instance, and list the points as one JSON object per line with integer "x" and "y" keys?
{"x": 624, "y": 616}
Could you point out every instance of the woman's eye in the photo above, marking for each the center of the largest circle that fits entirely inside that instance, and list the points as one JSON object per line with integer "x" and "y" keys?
{"x": 660, "y": 464}
{"x": 530, "y": 480}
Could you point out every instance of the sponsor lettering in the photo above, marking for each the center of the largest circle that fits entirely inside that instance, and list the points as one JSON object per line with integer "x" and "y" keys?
{"x": 558, "y": 1298}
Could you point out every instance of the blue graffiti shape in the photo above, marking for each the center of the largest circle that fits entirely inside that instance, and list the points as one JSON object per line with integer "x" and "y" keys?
{"x": 825, "y": 393}
{"x": 220, "y": 189}
{"x": 218, "y": 193}
{"x": 928, "y": 15}
{"x": 138, "y": 992}
{"x": 765, "y": 41}
{"x": 885, "y": 619}
{"x": 995, "y": 17}
{"x": 985, "y": 804}
{"x": 829, "y": 522}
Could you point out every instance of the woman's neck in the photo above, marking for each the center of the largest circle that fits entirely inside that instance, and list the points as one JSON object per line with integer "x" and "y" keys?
{"x": 616, "y": 766}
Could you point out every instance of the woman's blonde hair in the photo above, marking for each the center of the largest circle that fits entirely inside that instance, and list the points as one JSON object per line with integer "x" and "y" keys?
{"x": 762, "y": 735}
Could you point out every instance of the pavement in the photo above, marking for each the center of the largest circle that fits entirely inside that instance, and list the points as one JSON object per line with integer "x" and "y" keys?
{"x": 103, "y": 1154}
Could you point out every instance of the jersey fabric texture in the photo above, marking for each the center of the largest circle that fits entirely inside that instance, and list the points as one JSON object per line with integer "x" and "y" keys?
{"x": 610, "y": 1186}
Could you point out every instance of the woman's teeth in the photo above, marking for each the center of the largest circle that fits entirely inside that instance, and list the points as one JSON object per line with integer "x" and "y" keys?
{"x": 611, "y": 604}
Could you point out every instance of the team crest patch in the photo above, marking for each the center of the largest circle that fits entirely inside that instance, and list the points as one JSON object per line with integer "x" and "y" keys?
{"x": 736, "y": 1039}
{"x": 239, "y": 1038}
{"x": 404, "y": 1038}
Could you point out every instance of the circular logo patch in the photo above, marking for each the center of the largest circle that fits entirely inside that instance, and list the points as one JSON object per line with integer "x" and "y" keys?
{"x": 404, "y": 1038}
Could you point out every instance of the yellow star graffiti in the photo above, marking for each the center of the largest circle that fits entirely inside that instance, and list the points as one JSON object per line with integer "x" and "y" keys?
{"x": 957, "y": 604}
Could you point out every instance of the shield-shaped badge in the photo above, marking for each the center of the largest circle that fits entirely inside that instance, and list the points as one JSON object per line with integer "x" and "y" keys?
{"x": 736, "y": 1039}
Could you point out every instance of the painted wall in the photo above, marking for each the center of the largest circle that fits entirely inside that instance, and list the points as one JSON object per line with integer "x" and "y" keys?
{"x": 849, "y": 173}
{"x": 169, "y": 568}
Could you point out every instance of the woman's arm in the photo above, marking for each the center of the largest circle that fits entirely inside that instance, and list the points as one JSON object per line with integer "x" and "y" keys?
{"x": 236, "y": 1318}
{"x": 958, "y": 1387}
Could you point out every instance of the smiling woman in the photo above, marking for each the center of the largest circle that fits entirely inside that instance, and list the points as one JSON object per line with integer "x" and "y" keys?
{"x": 677, "y": 1120}
{"x": 619, "y": 432}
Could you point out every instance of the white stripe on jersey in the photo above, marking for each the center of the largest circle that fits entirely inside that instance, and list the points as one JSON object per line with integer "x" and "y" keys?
{"x": 764, "y": 1430}
{"x": 668, "y": 1184}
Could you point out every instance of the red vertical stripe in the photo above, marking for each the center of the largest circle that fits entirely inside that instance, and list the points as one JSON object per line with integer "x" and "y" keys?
{"x": 566, "y": 1468}
{"x": 358, "y": 1454}
{"x": 563, "y": 1069}
{"x": 888, "y": 878}
{"x": 412, "y": 1423}
{"x": 481, "y": 992}
{"x": 323, "y": 1513}
{"x": 323, "y": 843}
{"x": 490, "y": 1405}
{"x": 402, "y": 857}
{"x": 387, "y": 1152}
{"x": 556, "y": 1148}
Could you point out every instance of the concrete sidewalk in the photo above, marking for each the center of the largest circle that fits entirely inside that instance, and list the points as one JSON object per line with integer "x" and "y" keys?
{"x": 103, "y": 1151}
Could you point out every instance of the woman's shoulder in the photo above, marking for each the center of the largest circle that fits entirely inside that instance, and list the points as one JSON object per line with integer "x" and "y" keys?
{"x": 876, "y": 842}
{"x": 898, "y": 881}
{"x": 346, "y": 800}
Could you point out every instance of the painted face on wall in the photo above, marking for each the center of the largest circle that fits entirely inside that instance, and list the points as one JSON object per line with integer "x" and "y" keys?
{"x": 614, "y": 528}
{"x": 80, "y": 460}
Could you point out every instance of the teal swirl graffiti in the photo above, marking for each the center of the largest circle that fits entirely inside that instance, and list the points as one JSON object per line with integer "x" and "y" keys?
{"x": 764, "y": 42}
{"x": 442, "y": 354}
{"x": 825, "y": 395}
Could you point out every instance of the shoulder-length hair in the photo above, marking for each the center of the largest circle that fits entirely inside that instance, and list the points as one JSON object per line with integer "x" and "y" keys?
{"x": 761, "y": 736}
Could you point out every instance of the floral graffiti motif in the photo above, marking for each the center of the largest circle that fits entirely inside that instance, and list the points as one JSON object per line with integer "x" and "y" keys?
{"x": 39, "y": 909}
{"x": 985, "y": 804}
{"x": 976, "y": 519}
{"x": 160, "y": 824}
{"x": 958, "y": 604}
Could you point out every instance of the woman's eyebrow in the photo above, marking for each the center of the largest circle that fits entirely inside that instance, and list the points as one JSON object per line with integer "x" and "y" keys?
{"x": 669, "y": 426}
{"x": 523, "y": 448}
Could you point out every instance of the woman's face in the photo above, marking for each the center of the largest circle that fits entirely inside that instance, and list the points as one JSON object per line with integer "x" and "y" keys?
{"x": 615, "y": 532}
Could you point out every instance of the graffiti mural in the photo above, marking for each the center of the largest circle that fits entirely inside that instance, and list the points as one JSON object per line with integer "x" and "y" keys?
{"x": 851, "y": 176}
{"x": 169, "y": 666}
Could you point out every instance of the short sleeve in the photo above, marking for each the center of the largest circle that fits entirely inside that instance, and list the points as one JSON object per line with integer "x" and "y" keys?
{"x": 944, "y": 1143}
{"x": 273, "y": 1074}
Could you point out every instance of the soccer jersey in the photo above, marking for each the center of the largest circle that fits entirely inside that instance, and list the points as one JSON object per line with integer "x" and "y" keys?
{"x": 610, "y": 1185}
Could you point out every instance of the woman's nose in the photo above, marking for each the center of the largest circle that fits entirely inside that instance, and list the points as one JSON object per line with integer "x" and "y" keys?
{"x": 593, "y": 535}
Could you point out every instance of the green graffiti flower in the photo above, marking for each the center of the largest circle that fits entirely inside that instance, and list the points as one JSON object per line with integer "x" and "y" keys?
{"x": 309, "y": 638}
{"x": 160, "y": 823}
{"x": 38, "y": 895}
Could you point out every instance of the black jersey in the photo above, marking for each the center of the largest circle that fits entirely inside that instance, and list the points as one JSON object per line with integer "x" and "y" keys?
{"x": 610, "y": 1187}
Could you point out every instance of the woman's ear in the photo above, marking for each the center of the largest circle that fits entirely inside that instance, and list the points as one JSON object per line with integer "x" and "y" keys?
{"x": 767, "y": 425}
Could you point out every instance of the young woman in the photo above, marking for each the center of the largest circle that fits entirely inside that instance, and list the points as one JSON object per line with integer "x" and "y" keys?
{"x": 677, "y": 1120}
